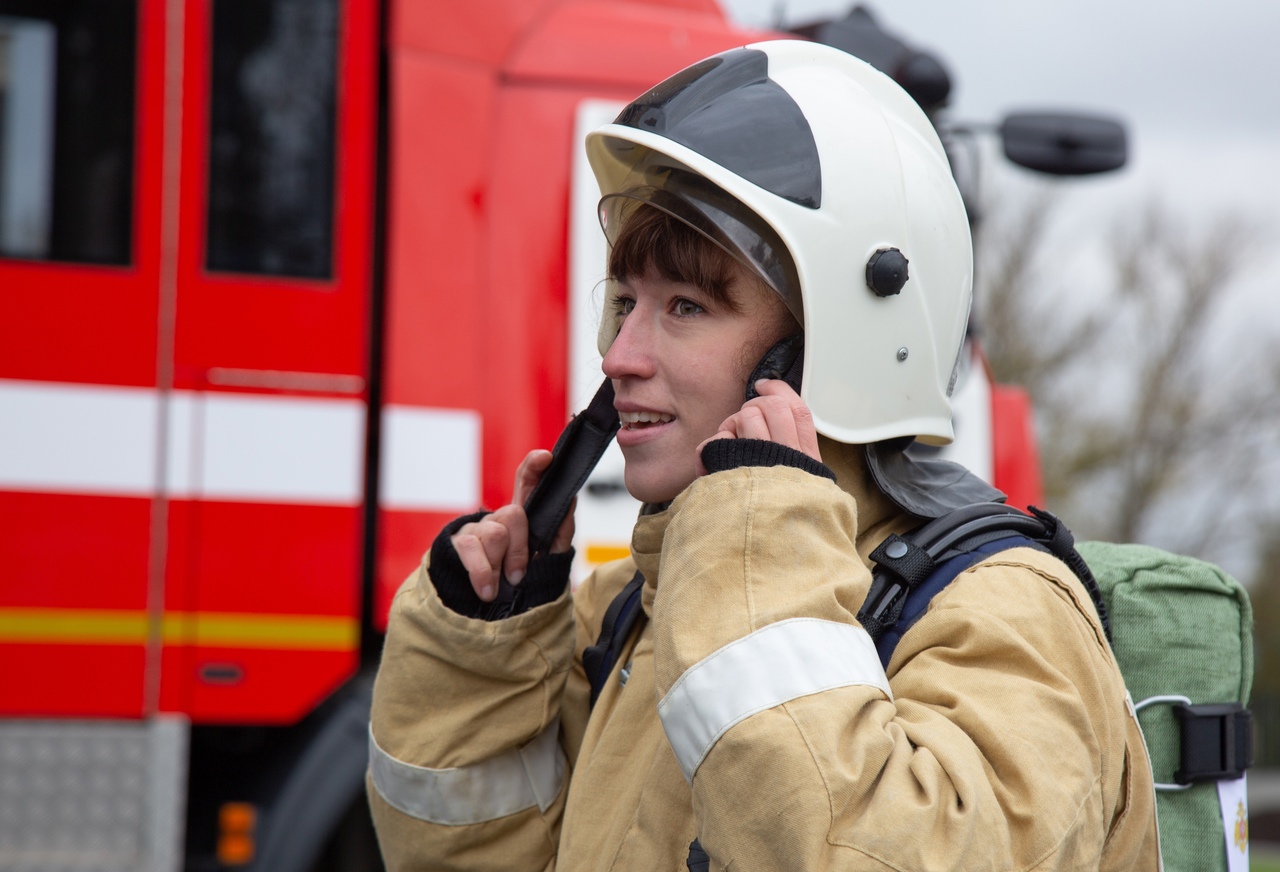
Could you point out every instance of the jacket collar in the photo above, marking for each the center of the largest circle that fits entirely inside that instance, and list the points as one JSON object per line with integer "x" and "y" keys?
{"x": 646, "y": 549}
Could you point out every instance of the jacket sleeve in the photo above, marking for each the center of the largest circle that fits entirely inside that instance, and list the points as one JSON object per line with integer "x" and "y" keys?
{"x": 467, "y": 764}
{"x": 988, "y": 748}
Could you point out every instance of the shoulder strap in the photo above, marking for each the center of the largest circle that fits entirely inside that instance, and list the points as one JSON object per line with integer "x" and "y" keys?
{"x": 910, "y": 570}
{"x": 619, "y": 620}
{"x": 916, "y": 602}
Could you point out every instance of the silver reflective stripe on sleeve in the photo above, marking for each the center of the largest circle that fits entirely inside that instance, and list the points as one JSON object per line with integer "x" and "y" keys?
{"x": 511, "y": 782}
{"x": 775, "y": 664}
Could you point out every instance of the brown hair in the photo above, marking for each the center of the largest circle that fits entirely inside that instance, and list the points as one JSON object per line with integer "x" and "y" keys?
{"x": 651, "y": 239}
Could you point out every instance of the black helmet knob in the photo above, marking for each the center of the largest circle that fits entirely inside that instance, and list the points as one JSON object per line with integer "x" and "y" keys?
{"x": 887, "y": 272}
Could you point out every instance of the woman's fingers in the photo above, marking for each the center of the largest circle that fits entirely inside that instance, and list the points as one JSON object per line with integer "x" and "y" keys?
{"x": 498, "y": 544}
{"x": 516, "y": 559}
{"x": 529, "y": 473}
{"x": 799, "y": 419}
{"x": 777, "y": 415}
{"x": 769, "y": 418}
{"x": 481, "y": 547}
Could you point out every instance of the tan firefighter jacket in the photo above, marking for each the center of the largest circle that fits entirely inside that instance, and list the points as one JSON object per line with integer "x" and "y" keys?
{"x": 755, "y": 714}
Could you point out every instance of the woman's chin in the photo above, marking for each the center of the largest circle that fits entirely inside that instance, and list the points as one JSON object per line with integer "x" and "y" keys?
{"x": 660, "y": 487}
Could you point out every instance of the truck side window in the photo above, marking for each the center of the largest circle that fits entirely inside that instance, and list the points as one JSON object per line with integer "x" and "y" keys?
{"x": 271, "y": 137}
{"x": 67, "y": 85}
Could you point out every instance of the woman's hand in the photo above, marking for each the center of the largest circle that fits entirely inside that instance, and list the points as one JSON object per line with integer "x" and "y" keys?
{"x": 777, "y": 415}
{"x": 498, "y": 544}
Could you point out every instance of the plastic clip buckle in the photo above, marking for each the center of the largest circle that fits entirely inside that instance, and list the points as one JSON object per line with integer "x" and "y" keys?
{"x": 1217, "y": 741}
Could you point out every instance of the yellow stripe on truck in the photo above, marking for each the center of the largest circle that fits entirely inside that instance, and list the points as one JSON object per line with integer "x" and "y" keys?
{"x": 232, "y": 630}
{"x": 200, "y": 629}
{"x": 73, "y": 626}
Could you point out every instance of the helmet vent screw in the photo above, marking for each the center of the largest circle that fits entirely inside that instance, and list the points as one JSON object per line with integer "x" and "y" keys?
{"x": 887, "y": 272}
{"x": 902, "y": 354}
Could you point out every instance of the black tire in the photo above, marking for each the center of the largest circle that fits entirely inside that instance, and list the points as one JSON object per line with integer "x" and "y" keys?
{"x": 353, "y": 847}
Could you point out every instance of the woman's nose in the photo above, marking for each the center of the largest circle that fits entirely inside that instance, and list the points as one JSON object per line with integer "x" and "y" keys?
{"x": 631, "y": 351}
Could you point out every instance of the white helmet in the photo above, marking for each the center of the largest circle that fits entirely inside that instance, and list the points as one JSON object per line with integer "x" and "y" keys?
{"x": 825, "y": 178}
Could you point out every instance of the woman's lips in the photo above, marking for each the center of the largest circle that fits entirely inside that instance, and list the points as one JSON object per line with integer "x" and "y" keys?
{"x": 641, "y": 425}
{"x": 641, "y": 419}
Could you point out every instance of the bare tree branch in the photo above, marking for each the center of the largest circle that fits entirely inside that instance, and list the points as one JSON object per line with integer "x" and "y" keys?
{"x": 1154, "y": 421}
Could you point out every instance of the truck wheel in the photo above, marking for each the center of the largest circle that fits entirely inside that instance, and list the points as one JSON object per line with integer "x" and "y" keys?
{"x": 353, "y": 847}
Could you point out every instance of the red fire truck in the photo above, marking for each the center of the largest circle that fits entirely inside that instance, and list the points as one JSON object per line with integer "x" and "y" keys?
{"x": 284, "y": 285}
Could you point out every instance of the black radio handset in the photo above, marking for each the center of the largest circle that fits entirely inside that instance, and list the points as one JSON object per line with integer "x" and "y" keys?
{"x": 577, "y": 451}
{"x": 785, "y": 360}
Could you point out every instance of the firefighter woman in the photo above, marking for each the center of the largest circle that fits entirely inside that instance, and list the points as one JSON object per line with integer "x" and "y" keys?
{"x": 780, "y": 191}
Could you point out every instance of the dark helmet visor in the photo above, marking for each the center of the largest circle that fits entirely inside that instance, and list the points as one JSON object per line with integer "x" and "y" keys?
{"x": 727, "y": 109}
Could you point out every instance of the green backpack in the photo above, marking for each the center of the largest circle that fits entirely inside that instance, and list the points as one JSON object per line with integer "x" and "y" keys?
{"x": 1183, "y": 636}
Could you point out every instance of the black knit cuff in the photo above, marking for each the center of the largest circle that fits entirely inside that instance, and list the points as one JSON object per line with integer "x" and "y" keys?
{"x": 544, "y": 580}
{"x": 720, "y": 455}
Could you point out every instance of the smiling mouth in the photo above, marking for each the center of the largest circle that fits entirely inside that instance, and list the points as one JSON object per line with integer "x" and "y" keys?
{"x": 641, "y": 420}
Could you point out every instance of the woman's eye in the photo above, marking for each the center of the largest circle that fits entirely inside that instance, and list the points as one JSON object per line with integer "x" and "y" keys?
{"x": 687, "y": 307}
{"x": 624, "y": 305}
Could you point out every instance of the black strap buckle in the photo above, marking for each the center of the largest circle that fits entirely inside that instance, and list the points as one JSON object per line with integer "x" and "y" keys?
{"x": 1217, "y": 741}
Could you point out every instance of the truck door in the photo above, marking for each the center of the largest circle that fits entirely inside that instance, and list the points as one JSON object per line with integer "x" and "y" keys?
{"x": 269, "y": 366}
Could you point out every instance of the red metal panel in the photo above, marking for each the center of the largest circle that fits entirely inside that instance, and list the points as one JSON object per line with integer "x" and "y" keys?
{"x": 62, "y": 553}
{"x": 71, "y": 556}
{"x": 479, "y": 31}
{"x": 485, "y": 31}
{"x": 252, "y": 560}
{"x": 181, "y": 595}
{"x": 73, "y": 551}
{"x": 81, "y": 681}
{"x": 403, "y": 537}
{"x": 440, "y": 149}
{"x": 623, "y": 45}
{"x": 242, "y": 562}
{"x": 278, "y": 687}
{"x": 93, "y": 324}
{"x": 273, "y": 559}
{"x": 1016, "y": 460}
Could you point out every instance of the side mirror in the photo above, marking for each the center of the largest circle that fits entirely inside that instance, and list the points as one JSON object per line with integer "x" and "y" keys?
{"x": 1064, "y": 144}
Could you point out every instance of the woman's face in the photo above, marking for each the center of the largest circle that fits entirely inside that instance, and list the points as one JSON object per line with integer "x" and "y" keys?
{"x": 679, "y": 367}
